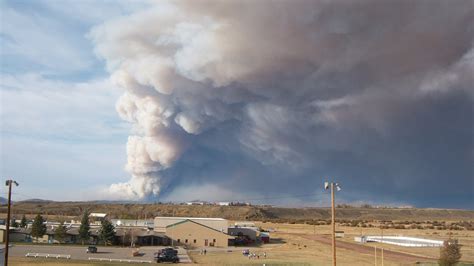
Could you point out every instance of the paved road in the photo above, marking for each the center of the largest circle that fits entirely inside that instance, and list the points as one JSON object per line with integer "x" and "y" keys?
{"x": 79, "y": 252}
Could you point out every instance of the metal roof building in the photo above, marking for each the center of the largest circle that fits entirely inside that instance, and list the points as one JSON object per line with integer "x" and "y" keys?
{"x": 218, "y": 224}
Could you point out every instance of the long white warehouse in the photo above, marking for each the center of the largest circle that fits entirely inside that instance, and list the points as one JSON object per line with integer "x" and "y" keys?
{"x": 400, "y": 241}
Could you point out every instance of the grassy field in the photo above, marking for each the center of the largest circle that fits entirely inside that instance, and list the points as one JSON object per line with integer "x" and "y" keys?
{"x": 294, "y": 247}
{"x": 294, "y": 243}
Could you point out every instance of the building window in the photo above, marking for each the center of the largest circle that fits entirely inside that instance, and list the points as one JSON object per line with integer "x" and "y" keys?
{"x": 214, "y": 240}
{"x": 194, "y": 241}
{"x": 179, "y": 240}
{"x": 185, "y": 241}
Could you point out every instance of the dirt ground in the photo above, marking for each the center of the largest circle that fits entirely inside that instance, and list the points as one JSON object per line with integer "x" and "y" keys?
{"x": 300, "y": 244}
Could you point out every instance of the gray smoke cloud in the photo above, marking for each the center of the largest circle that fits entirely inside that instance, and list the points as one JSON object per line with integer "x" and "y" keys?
{"x": 278, "y": 94}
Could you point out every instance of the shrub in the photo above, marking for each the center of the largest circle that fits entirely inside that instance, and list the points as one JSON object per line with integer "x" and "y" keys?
{"x": 450, "y": 253}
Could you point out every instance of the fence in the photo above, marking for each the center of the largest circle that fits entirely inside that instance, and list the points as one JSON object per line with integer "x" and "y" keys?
{"x": 47, "y": 255}
{"x": 120, "y": 260}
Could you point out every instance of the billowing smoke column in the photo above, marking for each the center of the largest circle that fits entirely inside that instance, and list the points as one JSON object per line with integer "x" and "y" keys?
{"x": 245, "y": 94}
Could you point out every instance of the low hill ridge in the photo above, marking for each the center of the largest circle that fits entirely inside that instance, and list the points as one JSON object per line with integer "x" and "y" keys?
{"x": 261, "y": 213}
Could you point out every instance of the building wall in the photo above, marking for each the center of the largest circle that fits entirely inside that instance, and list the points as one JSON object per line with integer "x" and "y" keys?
{"x": 251, "y": 233}
{"x": 2, "y": 256}
{"x": 2, "y": 236}
{"x": 196, "y": 235}
{"x": 217, "y": 223}
{"x": 19, "y": 237}
{"x": 43, "y": 239}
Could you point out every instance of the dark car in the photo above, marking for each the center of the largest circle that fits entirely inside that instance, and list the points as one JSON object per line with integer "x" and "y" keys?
{"x": 167, "y": 258}
{"x": 166, "y": 251}
{"x": 91, "y": 249}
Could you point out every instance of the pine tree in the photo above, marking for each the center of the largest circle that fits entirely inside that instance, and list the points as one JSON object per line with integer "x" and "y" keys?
{"x": 450, "y": 253}
{"x": 24, "y": 222}
{"x": 84, "y": 234}
{"x": 60, "y": 232}
{"x": 39, "y": 228}
{"x": 14, "y": 223}
{"x": 107, "y": 232}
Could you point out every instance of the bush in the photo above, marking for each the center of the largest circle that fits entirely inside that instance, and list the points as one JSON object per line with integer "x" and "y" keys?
{"x": 450, "y": 253}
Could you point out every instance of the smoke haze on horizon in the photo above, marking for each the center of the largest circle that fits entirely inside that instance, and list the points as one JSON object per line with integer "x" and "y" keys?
{"x": 269, "y": 98}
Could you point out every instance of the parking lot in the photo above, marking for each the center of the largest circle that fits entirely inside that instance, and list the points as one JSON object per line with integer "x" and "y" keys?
{"x": 79, "y": 252}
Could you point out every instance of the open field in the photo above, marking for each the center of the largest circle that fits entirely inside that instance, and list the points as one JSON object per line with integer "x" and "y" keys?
{"x": 303, "y": 244}
{"x": 300, "y": 236}
{"x": 298, "y": 244}
{"x": 73, "y": 210}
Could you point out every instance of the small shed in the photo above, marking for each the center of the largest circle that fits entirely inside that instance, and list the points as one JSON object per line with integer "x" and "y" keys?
{"x": 339, "y": 234}
{"x": 2, "y": 234}
{"x": 360, "y": 239}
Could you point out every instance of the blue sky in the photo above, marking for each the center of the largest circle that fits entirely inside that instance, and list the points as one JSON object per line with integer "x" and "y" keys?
{"x": 59, "y": 127}
{"x": 150, "y": 100}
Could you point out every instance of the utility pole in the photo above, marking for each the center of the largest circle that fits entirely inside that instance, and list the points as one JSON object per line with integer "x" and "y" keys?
{"x": 333, "y": 223}
{"x": 382, "y": 256}
{"x": 375, "y": 248}
{"x": 333, "y": 186}
{"x": 7, "y": 238}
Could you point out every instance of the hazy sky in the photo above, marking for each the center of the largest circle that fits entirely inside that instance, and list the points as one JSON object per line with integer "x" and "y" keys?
{"x": 239, "y": 100}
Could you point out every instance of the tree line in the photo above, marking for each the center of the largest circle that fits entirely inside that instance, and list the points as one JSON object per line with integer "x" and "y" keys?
{"x": 38, "y": 229}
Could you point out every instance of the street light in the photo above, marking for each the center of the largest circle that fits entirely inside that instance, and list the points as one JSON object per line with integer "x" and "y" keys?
{"x": 7, "y": 238}
{"x": 333, "y": 185}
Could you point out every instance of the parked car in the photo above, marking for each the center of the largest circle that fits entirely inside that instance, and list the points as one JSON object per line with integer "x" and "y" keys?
{"x": 91, "y": 249}
{"x": 166, "y": 251}
{"x": 167, "y": 258}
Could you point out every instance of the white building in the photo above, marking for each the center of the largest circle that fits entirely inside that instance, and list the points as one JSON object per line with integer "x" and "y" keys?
{"x": 97, "y": 215}
{"x": 132, "y": 223}
{"x": 400, "y": 241}
{"x": 246, "y": 225}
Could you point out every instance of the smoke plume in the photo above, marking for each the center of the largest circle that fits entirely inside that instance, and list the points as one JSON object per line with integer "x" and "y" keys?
{"x": 276, "y": 95}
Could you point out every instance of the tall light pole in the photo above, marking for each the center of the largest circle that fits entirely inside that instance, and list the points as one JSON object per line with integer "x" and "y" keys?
{"x": 333, "y": 185}
{"x": 7, "y": 238}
